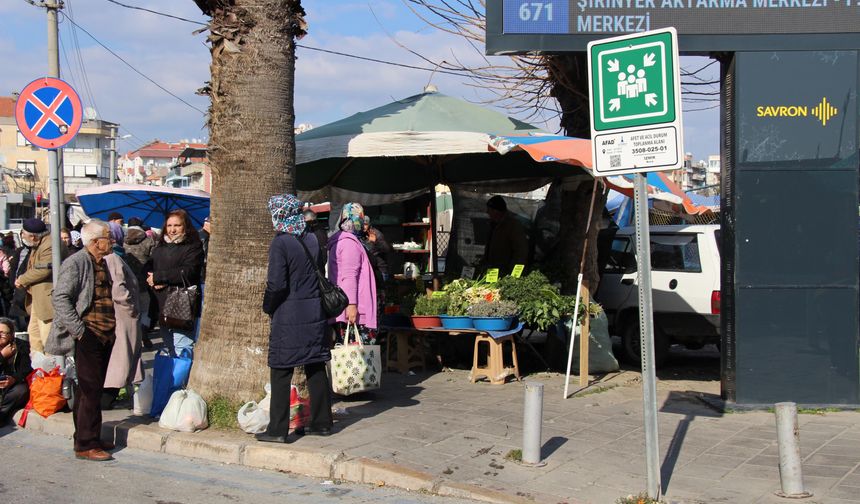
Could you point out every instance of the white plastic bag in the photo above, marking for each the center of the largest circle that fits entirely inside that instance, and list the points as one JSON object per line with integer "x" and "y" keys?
{"x": 254, "y": 417}
{"x": 143, "y": 396}
{"x": 185, "y": 412}
{"x": 47, "y": 362}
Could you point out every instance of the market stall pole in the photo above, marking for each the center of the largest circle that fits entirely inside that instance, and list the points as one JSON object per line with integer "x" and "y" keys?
{"x": 434, "y": 253}
{"x": 583, "y": 333}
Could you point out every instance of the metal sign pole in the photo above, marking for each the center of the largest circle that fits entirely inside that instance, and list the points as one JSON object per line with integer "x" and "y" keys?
{"x": 56, "y": 256}
{"x": 646, "y": 332}
{"x": 54, "y": 169}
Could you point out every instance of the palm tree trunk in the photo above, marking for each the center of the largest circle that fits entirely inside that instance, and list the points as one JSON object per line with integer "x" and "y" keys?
{"x": 569, "y": 74}
{"x": 252, "y": 155}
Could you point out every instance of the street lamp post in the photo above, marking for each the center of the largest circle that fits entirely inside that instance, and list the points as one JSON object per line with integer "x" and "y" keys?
{"x": 113, "y": 158}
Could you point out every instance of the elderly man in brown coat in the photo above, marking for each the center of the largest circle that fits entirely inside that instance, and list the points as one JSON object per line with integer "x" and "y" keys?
{"x": 37, "y": 282}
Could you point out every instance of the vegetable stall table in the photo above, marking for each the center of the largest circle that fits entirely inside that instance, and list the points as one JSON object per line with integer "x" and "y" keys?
{"x": 409, "y": 356}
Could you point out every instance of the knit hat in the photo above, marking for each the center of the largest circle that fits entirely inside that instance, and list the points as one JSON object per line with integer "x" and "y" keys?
{"x": 135, "y": 221}
{"x": 286, "y": 212}
{"x": 35, "y": 226}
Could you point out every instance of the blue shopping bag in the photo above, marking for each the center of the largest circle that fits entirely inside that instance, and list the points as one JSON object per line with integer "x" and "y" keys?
{"x": 169, "y": 374}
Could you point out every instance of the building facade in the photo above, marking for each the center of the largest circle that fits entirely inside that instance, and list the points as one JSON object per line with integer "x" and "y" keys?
{"x": 179, "y": 164}
{"x": 24, "y": 187}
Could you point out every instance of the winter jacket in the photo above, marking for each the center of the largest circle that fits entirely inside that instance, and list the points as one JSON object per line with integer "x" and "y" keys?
{"x": 349, "y": 267}
{"x": 72, "y": 297}
{"x": 138, "y": 252}
{"x": 176, "y": 264}
{"x": 20, "y": 367}
{"x": 292, "y": 299}
{"x": 38, "y": 280}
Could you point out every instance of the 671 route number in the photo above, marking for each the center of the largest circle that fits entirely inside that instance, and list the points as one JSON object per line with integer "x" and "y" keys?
{"x": 532, "y": 11}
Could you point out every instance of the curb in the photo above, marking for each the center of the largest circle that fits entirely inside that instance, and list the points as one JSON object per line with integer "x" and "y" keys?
{"x": 292, "y": 459}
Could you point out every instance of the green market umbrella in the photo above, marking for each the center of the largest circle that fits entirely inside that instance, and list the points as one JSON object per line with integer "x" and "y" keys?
{"x": 403, "y": 149}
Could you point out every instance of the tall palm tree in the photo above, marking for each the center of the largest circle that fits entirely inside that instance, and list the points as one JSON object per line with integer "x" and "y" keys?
{"x": 252, "y": 156}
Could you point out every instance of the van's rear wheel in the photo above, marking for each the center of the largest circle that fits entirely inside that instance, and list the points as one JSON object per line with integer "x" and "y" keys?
{"x": 630, "y": 343}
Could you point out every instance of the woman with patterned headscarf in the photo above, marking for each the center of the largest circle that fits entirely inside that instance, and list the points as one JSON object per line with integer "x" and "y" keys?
{"x": 299, "y": 334}
{"x": 349, "y": 267}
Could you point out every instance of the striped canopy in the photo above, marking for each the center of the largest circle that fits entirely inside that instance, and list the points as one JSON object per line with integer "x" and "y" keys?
{"x": 577, "y": 151}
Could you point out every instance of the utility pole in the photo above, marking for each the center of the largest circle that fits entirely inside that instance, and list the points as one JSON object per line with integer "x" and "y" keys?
{"x": 55, "y": 173}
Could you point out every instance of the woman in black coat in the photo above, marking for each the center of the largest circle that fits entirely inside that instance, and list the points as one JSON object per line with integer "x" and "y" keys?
{"x": 299, "y": 326}
{"x": 177, "y": 261}
{"x": 14, "y": 369}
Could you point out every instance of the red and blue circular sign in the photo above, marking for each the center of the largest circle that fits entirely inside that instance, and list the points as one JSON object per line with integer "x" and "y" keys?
{"x": 49, "y": 113}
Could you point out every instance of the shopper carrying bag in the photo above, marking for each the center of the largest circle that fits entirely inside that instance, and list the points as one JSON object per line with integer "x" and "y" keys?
{"x": 299, "y": 331}
{"x": 355, "y": 367}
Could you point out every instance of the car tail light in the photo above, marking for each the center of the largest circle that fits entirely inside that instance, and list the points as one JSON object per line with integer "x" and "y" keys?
{"x": 715, "y": 303}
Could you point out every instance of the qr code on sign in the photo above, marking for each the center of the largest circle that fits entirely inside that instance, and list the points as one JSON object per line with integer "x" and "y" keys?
{"x": 615, "y": 161}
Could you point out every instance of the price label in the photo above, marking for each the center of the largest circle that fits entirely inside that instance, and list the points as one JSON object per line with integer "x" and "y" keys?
{"x": 468, "y": 272}
{"x": 493, "y": 275}
{"x": 518, "y": 270}
{"x": 438, "y": 294}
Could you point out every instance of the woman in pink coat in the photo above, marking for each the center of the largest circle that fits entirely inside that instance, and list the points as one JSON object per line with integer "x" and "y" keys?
{"x": 349, "y": 267}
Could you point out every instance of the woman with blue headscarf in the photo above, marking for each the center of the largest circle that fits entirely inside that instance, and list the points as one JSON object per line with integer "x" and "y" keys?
{"x": 299, "y": 334}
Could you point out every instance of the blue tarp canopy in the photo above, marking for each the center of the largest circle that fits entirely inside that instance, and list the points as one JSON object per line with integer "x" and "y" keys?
{"x": 148, "y": 203}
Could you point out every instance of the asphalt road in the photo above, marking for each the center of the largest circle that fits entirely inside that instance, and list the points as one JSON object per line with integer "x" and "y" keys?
{"x": 39, "y": 468}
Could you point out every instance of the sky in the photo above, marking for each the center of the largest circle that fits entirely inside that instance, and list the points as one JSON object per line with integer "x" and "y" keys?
{"x": 153, "y": 52}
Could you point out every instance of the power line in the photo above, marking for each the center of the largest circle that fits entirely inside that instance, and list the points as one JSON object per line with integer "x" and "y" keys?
{"x": 77, "y": 46}
{"x": 117, "y": 56}
{"x": 346, "y": 55}
{"x": 158, "y": 13}
{"x": 337, "y": 53}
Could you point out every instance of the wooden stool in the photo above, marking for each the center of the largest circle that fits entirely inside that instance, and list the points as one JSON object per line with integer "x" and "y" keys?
{"x": 495, "y": 370}
{"x": 408, "y": 355}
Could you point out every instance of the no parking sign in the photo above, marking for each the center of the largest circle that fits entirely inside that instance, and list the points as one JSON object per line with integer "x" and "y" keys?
{"x": 48, "y": 113}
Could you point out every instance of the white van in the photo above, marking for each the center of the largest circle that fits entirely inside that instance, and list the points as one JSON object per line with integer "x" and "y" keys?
{"x": 685, "y": 281}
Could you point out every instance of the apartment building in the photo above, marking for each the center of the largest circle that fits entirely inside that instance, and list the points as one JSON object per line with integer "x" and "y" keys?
{"x": 85, "y": 162}
{"x": 179, "y": 164}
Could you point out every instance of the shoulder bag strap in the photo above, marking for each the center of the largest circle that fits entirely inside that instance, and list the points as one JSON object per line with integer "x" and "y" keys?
{"x": 320, "y": 276}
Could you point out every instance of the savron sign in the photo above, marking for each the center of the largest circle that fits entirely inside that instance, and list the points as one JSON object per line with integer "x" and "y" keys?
{"x": 823, "y": 111}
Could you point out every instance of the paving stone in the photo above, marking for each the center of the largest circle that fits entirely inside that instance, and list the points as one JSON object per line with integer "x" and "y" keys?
{"x": 851, "y": 493}
{"x": 825, "y": 471}
{"x": 833, "y": 460}
{"x": 818, "y": 485}
{"x": 721, "y": 461}
{"x": 756, "y": 472}
{"x": 851, "y": 479}
{"x": 722, "y": 495}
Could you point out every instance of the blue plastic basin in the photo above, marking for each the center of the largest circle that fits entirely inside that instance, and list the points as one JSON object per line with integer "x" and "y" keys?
{"x": 452, "y": 322}
{"x": 492, "y": 323}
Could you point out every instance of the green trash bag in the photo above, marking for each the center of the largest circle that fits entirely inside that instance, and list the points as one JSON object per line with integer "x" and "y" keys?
{"x": 600, "y": 356}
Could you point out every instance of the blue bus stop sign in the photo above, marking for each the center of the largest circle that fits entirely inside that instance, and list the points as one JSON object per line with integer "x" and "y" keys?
{"x": 48, "y": 113}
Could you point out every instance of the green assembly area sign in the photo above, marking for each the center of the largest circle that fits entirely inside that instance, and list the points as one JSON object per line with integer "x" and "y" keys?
{"x": 635, "y": 103}
{"x": 634, "y": 82}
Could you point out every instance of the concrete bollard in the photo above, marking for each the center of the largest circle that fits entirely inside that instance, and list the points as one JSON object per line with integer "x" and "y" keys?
{"x": 788, "y": 439}
{"x": 532, "y": 420}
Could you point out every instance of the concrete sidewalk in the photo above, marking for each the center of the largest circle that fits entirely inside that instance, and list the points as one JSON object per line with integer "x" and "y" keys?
{"x": 438, "y": 433}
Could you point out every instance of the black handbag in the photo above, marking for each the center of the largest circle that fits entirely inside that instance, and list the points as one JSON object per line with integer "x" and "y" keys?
{"x": 334, "y": 300}
{"x": 180, "y": 306}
